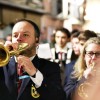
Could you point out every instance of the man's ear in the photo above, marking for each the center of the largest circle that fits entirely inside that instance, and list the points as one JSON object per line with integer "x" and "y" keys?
{"x": 37, "y": 40}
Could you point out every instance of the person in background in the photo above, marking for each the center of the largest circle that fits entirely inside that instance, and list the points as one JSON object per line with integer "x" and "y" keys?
{"x": 84, "y": 83}
{"x": 52, "y": 40}
{"x": 26, "y": 76}
{"x": 83, "y": 36}
{"x": 9, "y": 37}
{"x": 75, "y": 43}
{"x": 44, "y": 35}
{"x": 2, "y": 41}
{"x": 76, "y": 50}
{"x": 61, "y": 52}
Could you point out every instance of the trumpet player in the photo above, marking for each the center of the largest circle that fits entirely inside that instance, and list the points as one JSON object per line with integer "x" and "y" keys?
{"x": 84, "y": 83}
{"x": 39, "y": 79}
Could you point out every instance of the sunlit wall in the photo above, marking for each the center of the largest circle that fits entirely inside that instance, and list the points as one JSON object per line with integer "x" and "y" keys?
{"x": 92, "y": 17}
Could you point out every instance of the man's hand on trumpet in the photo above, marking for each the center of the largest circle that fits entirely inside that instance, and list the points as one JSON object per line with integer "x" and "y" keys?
{"x": 27, "y": 65}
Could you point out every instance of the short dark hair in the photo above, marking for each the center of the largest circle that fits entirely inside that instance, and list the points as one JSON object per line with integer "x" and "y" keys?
{"x": 87, "y": 34}
{"x": 75, "y": 35}
{"x": 37, "y": 30}
{"x": 64, "y": 30}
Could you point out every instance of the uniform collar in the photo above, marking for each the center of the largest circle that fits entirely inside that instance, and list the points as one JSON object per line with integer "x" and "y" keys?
{"x": 58, "y": 49}
{"x": 31, "y": 58}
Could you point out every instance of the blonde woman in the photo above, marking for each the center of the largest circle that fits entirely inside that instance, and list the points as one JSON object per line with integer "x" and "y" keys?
{"x": 86, "y": 72}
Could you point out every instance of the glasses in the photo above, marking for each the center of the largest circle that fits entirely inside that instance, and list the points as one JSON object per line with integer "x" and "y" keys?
{"x": 91, "y": 53}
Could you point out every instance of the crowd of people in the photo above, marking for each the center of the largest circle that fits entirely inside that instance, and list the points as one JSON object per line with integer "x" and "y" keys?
{"x": 71, "y": 71}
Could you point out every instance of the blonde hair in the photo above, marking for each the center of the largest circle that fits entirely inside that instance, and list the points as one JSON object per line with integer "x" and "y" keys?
{"x": 80, "y": 65}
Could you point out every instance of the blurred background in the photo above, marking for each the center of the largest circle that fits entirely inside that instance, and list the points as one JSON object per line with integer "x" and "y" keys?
{"x": 50, "y": 15}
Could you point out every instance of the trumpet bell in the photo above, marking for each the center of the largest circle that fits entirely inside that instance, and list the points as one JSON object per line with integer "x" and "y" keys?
{"x": 5, "y": 54}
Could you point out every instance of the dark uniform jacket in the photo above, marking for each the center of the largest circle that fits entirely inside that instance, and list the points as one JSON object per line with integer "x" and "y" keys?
{"x": 49, "y": 90}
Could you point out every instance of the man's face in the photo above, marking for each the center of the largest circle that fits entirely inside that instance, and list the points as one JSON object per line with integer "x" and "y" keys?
{"x": 23, "y": 32}
{"x": 61, "y": 39}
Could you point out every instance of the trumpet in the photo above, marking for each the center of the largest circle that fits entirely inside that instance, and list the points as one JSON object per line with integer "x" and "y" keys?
{"x": 5, "y": 54}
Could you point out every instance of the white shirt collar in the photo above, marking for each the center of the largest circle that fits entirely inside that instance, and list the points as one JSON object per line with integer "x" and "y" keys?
{"x": 58, "y": 49}
{"x": 31, "y": 58}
